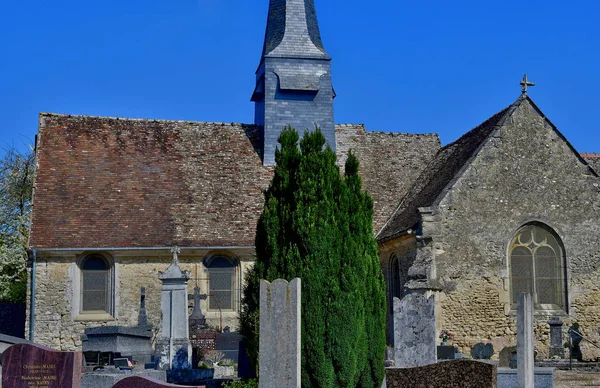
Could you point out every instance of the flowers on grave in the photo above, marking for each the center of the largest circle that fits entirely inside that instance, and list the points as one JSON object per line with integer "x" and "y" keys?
{"x": 445, "y": 335}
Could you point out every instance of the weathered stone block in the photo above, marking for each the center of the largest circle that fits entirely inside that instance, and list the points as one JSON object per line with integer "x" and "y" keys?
{"x": 414, "y": 331}
{"x": 279, "y": 348}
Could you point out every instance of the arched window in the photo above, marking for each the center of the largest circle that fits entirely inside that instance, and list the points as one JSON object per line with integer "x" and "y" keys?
{"x": 395, "y": 282}
{"x": 537, "y": 266}
{"x": 95, "y": 285}
{"x": 221, "y": 283}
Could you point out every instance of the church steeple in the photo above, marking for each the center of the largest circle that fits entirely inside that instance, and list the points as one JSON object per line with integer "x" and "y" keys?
{"x": 293, "y": 30}
{"x": 293, "y": 80}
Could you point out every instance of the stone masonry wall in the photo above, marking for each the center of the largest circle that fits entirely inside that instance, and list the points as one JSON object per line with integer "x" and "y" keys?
{"x": 55, "y": 325}
{"x": 524, "y": 173}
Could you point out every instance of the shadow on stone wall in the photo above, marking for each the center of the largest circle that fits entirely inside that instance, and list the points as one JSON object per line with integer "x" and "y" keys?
{"x": 12, "y": 319}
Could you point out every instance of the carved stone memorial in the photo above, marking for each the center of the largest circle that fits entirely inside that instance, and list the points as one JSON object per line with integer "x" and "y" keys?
{"x": 28, "y": 365}
{"x": 173, "y": 346}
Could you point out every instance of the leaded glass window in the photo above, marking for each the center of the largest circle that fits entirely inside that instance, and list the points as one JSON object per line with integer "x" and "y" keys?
{"x": 537, "y": 267}
{"x": 95, "y": 285}
{"x": 221, "y": 279}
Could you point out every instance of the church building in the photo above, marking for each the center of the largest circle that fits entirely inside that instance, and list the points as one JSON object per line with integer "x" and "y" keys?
{"x": 510, "y": 206}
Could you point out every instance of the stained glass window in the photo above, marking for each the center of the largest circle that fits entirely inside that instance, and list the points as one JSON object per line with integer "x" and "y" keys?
{"x": 537, "y": 267}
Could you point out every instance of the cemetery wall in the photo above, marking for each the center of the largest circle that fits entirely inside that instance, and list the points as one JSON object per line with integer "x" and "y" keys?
{"x": 58, "y": 324}
{"x": 525, "y": 173}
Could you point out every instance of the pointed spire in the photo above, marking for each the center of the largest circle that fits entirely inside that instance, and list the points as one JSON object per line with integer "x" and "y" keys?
{"x": 293, "y": 30}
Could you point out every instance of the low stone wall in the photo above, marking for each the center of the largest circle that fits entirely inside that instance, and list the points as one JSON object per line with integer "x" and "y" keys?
{"x": 448, "y": 374}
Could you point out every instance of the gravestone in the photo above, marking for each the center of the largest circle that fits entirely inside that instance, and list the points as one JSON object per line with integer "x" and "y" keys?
{"x": 414, "y": 331}
{"x": 448, "y": 374}
{"x": 197, "y": 319}
{"x": 506, "y": 356}
{"x": 525, "y": 341}
{"x": 446, "y": 352}
{"x": 108, "y": 377}
{"x": 482, "y": 351}
{"x": 279, "y": 342}
{"x": 29, "y": 365}
{"x": 173, "y": 346}
{"x": 202, "y": 337}
{"x": 245, "y": 369}
{"x": 556, "y": 338}
{"x": 134, "y": 342}
{"x": 138, "y": 382}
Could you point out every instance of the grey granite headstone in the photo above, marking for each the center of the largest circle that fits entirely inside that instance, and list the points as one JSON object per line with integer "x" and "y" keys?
{"x": 482, "y": 351}
{"x": 525, "y": 341}
{"x": 414, "y": 331}
{"x": 556, "y": 338}
{"x": 279, "y": 344}
{"x": 173, "y": 345}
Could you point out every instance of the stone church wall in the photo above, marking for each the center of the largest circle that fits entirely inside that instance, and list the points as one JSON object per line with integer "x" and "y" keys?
{"x": 527, "y": 173}
{"x": 57, "y": 324}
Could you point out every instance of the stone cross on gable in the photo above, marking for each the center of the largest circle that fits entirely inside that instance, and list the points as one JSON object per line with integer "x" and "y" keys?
{"x": 197, "y": 297}
{"x": 175, "y": 251}
{"x": 525, "y": 83}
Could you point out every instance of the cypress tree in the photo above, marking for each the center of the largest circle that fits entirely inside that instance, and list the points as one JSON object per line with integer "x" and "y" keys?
{"x": 317, "y": 225}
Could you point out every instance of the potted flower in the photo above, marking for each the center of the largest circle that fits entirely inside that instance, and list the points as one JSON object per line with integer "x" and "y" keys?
{"x": 445, "y": 335}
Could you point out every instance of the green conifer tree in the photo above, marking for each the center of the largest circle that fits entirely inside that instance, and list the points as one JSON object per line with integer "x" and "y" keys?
{"x": 317, "y": 225}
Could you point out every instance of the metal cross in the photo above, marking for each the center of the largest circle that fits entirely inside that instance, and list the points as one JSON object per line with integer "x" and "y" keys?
{"x": 525, "y": 83}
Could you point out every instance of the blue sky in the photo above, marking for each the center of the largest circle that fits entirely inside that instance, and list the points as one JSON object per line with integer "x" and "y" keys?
{"x": 418, "y": 67}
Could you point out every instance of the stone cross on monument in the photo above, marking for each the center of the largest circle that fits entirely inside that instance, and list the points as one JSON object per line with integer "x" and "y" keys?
{"x": 197, "y": 317}
{"x": 525, "y": 83}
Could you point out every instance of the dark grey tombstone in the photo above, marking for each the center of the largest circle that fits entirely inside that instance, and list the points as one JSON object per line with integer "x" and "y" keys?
{"x": 482, "y": 351}
{"x": 556, "y": 338}
{"x": 446, "y": 352}
{"x": 121, "y": 363}
{"x": 245, "y": 369}
{"x": 135, "y": 342}
{"x": 229, "y": 345}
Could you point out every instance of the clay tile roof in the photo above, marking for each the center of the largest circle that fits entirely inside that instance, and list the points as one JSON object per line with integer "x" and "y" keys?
{"x": 109, "y": 182}
{"x": 437, "y": 175}
{"x": 112, "y": 183}
{"x": 389, "y": 163}
{"x": 593, "y": 160}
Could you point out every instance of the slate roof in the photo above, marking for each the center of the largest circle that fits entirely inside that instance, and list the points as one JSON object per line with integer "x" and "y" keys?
{"x": 437, "y": 175}
{"x": 390, "y": 163}
{"x": 114, "y": 183}
{"x": 293, "y": 30}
